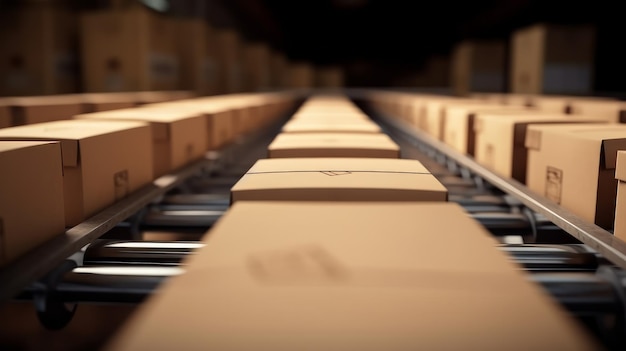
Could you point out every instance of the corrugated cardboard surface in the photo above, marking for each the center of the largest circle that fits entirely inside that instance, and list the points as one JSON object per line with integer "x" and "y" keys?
{"x": 350, "y": 276}
{"x": 574, "y": 165}
{"x": 178, "y": 137}
{"x": 103, "y": 161}
{"x": 31, "y": 184}
{"x": 333, "y": 145}
{"x": 297, "y": 126}
{"x": 338, "y": 179}
{"x": 500, "y": 137}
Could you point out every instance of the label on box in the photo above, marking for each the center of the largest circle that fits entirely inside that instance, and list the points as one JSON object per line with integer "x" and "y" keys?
{"x": 554, "y": 184}
{"x": 163, "y": 68}
{"x": 566, "y": 78}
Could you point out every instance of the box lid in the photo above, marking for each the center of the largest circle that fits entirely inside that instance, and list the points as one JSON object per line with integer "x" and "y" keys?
{"x": 609, "y": 137}
{"x": 340, "y": 179}
{"x": 328, "y": 126}
{"x": 69, "y": 133}
{"x": 333, "y": 140}
{"x": 620, "y": 169}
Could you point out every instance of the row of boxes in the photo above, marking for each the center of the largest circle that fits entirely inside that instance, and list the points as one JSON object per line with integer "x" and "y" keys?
{"x": 346, "y": 252}
{"x": 543, "y": 59}
{"x": 564, "y": 148}
{"x": 131, "y": 48}
{"x": 78, "y": 167}
{"x": 18, "y": 111}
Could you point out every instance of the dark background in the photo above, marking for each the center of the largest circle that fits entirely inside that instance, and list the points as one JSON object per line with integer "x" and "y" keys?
{"x": 380, "y": 42}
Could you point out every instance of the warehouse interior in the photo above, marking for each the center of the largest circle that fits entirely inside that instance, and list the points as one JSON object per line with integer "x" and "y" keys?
{"x": 313, "y": 174}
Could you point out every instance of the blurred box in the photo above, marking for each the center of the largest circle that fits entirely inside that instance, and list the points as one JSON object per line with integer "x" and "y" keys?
{"x": 479, "y": 66}
{"x": 338, "y": 179}
{"x": 329, "y": 77}
{"x": 39, "y": 109}
{"x": 620, "y": 206}
{"x": 129, "y": 50}
{"x": 458, "y": 129}
{"x": 38, "y": 51}
{"x": 32, "y": 188}
{"x": 550, "y": 104}
{"x": 178, "y": 137}
{"x": 333, "y": 145}
{"x": 500, "y": 138}
{"x": 602, "y": 109}
{"x": 103, "y": 161}
{"x": 351, "y": 276}
{"x": 199, "y": 67}
{"x": 278, "y": 75}
{"x": 228, "y": 46}
{"x": 301, "y": 75}
{"x": 326, "y": 126}
{"x": 5, "y": 114}
{"x": 256, "y": 68}
{"x": 98, "y": 102}
{"x": 574, "y": 166}
{"x": 551, "y": 59}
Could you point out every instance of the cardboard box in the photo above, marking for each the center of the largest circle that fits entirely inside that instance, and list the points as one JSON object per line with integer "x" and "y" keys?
{"x": 500, "y": 138}
{"x": 229, "y": 61}
{"x": 103, "y": 161}
{"x": 33, "y": 188}
{"x": 551, "y": 59}
{"x": 256, "y": 68}
{"x": 479, "y": 66}
{"x": 178, "y": 137}
{"x": 338, "y": 179}
{"x": 620, "y": 205}
{"x": 458, "y": 129}
{"x": 329, "y": 117}
{"x": 329, "y": 77}
{"x": 301, "y": 75}
{"x": 38, "y": 50}
{"x": 574, "y": 166}
{"x": 199, "y": 67}
{"x": 333, "y": 145}
{"x": 348, "y": 276}
{"x": 550, "y": 104}
{"x": 128, "y": 50}
{"x": 40, "y": 109}
{"x": 432, "y": 117}
{"x": 602, "y": 109}
{"x": 98, "y": 102}
{"x": 298, "y": 126}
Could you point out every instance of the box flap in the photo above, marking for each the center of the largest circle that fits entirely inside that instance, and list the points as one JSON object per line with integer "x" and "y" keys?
{"x": 620, "y": 167}
{"x": 609, "y": 152}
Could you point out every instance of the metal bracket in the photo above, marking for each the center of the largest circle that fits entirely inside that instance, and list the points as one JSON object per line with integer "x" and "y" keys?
{"x": 52, "y": 312}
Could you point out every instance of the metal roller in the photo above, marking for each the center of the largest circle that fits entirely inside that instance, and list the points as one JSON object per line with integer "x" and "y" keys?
{"x": 552, "y": 258}
{"x": 134, "y": 253}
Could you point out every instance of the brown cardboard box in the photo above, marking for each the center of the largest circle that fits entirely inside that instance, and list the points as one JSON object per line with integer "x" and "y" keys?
{"x": 603, "y": 109}
{"x": 38, "y": 50}
{"x": 458, "y": 129}
{"x": 500, "y": 138}
{"x": 31, "y": 186}
{"x": 39, "y": 109}
{"x": 620, "y": 206}
{"x": 433, "y": 116}
{"x": 574, "y": 166}
{"x": 256, "y": 67}
{"x": 338, "y": 179}
{"x": 128, "y": 49}
{"x": 229, "y": 61}
{"x": 350, "y": 276}
{"x": 103, "y": 161}
{"x": 198, "y": 57}
{"x": 333, "y": 145}
{"x": 329, "y": 77}
{"x": 551, "y": 104}
{"x": 151, "y": 97}
{"x": 178, "y": 137}
{"x": 552, "y": 60}
{"x": 98, "y": 102}
{"x": 301, "y": 75}
{"x": 478, "y": 66}
{"x": 329, "y": 117}
{"x": 298, "y": 126}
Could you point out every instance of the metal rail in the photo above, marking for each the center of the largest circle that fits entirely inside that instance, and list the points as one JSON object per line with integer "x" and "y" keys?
{"x": 602, "y": 241}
